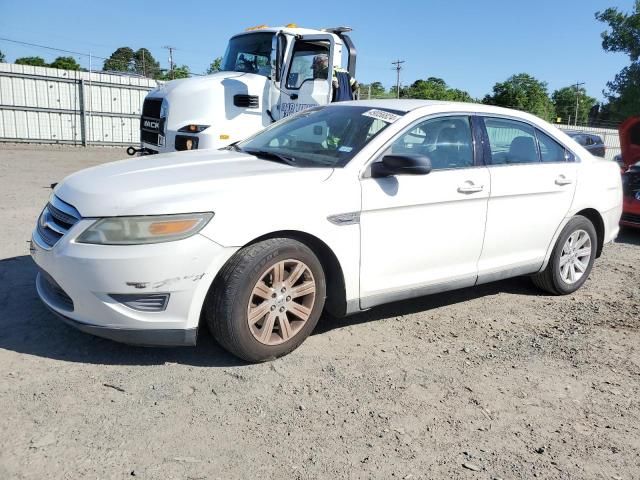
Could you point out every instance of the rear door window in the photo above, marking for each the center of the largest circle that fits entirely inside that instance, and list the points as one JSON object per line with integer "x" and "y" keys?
{"x": 550, "y": 150}
{"x": 511, "y": 142}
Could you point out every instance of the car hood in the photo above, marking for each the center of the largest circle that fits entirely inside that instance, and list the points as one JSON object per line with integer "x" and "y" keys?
{"x": 180, "y": 182}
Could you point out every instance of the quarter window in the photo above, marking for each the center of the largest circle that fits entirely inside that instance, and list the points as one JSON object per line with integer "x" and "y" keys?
{"x": 511, "y": 142}
{"x": 446, "y": 141}
{"x": 550, "y": 150}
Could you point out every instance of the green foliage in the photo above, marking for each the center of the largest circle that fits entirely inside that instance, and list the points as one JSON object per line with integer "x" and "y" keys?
{"x": 34, "y": 61}
{"x": 624, "y": 33}
{"x": 564, "y": 102}
{"x": 177, "y": 72}
{"x": 65, "y": 63}
{"x": 623, "y": 36}
{"x": 376, "y": 88}
{"x": 120, "y": 61}
{"x": 434, "y": 88}
{"x": 522, "y": 92}
{"x": 144, "y": 63}
{"x": 215, "y": 66}
{"x": 2, "y": 57}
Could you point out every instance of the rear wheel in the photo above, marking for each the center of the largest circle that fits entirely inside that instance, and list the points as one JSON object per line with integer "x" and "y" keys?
{"x": 571, "y": 260}
{"x": 267, "y": 299}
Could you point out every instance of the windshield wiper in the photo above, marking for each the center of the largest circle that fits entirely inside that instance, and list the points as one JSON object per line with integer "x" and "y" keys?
{"x": 272, "y": 156}
{"x": 233, "y": 146}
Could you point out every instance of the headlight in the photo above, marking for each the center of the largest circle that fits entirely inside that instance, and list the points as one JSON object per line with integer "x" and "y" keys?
{"x": 142, "y": 230}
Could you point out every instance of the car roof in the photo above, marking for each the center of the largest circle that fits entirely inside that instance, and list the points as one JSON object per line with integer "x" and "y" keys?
{"x": 437, "y": 106}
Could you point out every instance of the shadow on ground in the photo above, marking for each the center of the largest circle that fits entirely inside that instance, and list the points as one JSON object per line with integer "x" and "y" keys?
{"x": 630, "y": 236}
{"x": 26, "y": 326}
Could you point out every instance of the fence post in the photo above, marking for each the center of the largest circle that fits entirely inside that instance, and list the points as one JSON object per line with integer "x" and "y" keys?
{"x": 82, "y": 112}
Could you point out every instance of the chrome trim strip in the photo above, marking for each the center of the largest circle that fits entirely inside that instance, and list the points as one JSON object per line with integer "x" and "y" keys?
{"x": 351, "y": 218}
{"x": 65, "y": 207}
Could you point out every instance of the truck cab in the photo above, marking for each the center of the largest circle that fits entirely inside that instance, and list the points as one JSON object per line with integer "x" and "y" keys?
{"x": 267, "y": 74}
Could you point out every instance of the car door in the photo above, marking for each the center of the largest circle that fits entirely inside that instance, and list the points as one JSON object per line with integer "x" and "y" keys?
{"x": 307, "y": 81}
{"x": 423, "y": 233}
{"x": 532, "y": 184}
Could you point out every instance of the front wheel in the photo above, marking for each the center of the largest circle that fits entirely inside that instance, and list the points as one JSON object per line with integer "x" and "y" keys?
{"x": 267, "y": 299}
{"x": 571, "y": 260}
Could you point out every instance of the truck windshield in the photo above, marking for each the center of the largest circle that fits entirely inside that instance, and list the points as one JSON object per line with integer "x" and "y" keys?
{"x": 249, "y": 53}
{"x": 320, "y": 137}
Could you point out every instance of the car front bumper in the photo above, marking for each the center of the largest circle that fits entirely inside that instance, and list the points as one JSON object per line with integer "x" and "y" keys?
{"x": 78, "y": 283}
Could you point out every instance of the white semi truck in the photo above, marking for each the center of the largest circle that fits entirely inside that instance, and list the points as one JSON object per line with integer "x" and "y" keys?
{"x": 267, "y": 74}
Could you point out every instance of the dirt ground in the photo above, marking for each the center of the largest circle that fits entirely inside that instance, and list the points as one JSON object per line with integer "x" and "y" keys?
{"x": 497, "y": 381}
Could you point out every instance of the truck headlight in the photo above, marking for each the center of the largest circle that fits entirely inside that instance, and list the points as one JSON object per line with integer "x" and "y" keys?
{"x": 144, "y": 230}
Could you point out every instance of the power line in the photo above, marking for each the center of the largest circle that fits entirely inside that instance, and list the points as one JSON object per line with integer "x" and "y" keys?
{"x": 398, "y": 65}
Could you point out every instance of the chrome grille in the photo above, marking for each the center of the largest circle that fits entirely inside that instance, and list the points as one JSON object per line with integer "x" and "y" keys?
{"x": 55, "y": 220}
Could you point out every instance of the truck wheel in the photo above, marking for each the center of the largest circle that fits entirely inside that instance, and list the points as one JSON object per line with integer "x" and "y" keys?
{"x": 571, "y": 260}
{"x": 267, "y": 299}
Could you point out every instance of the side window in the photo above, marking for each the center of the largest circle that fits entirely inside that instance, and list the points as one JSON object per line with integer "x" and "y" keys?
{"x": 550, "y": 150}
{"x": 310, "y": 61}
{"x": 511, "y": 142}
{"x": 588, "y": 140}
{"x": 446, "y": 141}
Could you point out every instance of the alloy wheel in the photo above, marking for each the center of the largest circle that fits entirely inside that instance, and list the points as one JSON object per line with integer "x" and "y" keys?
{"x": 281, "y": 302}
{"x": 575, "y": 256}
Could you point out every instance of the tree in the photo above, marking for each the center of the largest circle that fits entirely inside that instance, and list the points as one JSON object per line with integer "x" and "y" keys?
{"x": 376, "y": 88}
{"x": 177, "y": 72}
{"x": 623, "y": 36}
{"x": 2, "y": 57}
{"x": 145, "y": 64}
{"x": 120, "y": 60}
{"x": 65, "y": 63}
{"x": 564, "y": 102}
{"x": 522, "y": 92}
{"x": 434, "y": 88}
{"x": 215, "y": 66}
{"x": 34, "y": 61}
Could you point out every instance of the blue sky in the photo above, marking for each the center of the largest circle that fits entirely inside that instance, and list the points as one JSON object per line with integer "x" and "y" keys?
{"x": 470, "y": 44}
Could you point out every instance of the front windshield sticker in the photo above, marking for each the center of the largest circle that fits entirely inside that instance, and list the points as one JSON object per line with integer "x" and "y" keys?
{"x": 345, "y": 149}
{"x": 382, "y": 115}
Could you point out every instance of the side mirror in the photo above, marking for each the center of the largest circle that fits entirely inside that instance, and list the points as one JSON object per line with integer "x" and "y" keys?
{"x": 401, "y": 165}
{"x": 278, "y": 45}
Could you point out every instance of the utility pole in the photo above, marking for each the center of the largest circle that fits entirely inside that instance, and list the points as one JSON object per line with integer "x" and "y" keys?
{"x": 398, "y": 67}
{"x": 578, "y": 85}
{"x": 171, "y": 49}
{"x": 144, "y": 70}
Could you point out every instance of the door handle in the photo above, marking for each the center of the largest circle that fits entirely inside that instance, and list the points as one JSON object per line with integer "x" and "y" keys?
{"x": 469, "y": 187}
{"x": 562, "y": 180}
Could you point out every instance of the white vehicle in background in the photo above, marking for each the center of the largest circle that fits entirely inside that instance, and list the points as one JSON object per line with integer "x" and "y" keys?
{"x": 267, "y": 74}
{"x": 342, "y": 208}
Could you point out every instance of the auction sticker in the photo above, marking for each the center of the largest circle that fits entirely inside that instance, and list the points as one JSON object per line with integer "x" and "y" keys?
{"x": 382, "y": 115}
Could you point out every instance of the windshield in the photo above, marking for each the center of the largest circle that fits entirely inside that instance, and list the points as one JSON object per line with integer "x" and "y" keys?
{"x": 250, "y": 53}
{"x": 321, "y": 137}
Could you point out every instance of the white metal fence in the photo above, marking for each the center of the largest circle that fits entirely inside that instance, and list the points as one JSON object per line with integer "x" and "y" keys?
{"x": 48, "y": 105}
{"x": 609, "y": 136}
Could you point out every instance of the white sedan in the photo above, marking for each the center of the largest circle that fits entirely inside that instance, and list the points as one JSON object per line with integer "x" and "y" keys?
{"x": 342, "y": 208}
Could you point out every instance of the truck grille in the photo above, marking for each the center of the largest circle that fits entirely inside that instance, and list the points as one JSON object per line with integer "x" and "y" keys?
{"x": 55, "y": 220}
{"x": 246, "y": 101}
{"x": 151, "y": 125}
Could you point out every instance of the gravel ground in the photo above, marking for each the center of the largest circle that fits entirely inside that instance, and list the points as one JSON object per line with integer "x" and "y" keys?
{"x": 497, "y": 381}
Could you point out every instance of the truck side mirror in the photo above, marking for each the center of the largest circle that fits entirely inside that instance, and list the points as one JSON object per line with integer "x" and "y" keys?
{"x": 278, "y": 46}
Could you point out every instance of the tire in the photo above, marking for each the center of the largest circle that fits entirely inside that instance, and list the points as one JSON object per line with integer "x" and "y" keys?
{"x": 555, "y": 278}
{"x": 254, "y": 311}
